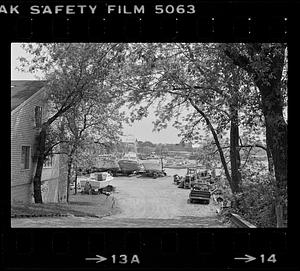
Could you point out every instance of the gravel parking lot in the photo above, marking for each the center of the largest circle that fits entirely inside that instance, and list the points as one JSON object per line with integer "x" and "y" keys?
{"x": 159, "y": 198}
{"x": 141, "y": 202}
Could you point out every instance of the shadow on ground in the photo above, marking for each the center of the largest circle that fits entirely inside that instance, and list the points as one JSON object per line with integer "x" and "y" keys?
{"x": 79, "y": 205}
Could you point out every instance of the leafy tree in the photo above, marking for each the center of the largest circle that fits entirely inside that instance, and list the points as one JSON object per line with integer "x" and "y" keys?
{"x": 93, "y": 119}
{"x": 74, "y": 73}
{"x": 183, "y": 77}
{"x": 265, "y": 63}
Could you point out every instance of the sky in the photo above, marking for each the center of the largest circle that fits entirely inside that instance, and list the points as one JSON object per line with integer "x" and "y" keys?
{"x": 142, "y": 130}
{"x": 17, "y": 51}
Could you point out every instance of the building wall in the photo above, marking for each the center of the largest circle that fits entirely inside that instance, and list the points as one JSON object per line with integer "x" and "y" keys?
{"x": 23, "y": 133}
{"x": 54, "y": 180}
{"x": 50, "y": 190}
{"x": 50, "y": 173}
{"x": 50, "y": 178}
{"x": 22, "y": 193}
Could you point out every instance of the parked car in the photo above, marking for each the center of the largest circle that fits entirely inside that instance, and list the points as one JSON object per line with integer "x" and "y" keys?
{"x": 196, "y": 175}
{"x": 200, "y": 192}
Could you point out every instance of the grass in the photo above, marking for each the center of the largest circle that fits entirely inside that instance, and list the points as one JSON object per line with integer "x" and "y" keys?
{"x": 79, "y": 205}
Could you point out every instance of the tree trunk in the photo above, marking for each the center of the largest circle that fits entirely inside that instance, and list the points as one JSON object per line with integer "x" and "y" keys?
{"x": 76, "y": 174}
{"x": 70, "y": 162}
{"x": 40, "y": 152}
{"x": 235, "y": 159}
{"x": 221, "y": 153}
{"x": 270, "y": 161}
{"x": 269, "y": 85}
{"x": 276, "y": 130}
{"x": 279, "y": 216}
{"x": 276, "y": 133}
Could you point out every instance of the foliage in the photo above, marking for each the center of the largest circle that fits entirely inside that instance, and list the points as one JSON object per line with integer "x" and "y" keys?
{"x": 89, "y": 150}
{"x": 194, "y": 85}
{"x": 95, "y": 120}
{"x": 266, "y": 63}
{"x": 76, "y": 74}
{"x": 256, "y": 202}
{"x": 197, "y": 87}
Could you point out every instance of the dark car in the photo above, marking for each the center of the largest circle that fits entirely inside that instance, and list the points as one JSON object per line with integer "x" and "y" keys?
{"x": 200, "y": 192}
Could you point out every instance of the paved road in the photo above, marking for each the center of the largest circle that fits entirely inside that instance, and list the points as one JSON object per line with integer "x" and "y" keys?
{"x": 144, "y": 202}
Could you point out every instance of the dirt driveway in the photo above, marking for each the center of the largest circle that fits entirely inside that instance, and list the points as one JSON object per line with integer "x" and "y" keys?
{"x": 159, "y": 198}
{"x": 141, "y": 203}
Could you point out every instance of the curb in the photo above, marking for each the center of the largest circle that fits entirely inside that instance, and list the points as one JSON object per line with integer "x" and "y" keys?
{"x": 239, "y": 222}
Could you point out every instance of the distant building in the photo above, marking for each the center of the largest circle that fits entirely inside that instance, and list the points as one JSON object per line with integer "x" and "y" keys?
{"x": 179, "y": 154}
{"x": 28, "y": 110}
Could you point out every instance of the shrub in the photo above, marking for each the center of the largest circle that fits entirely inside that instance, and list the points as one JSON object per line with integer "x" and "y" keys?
{"x": 257, "y": 201}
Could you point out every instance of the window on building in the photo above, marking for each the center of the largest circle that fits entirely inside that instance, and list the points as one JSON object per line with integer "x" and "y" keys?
{"x": 49, "y": 161}
{"x": 38, "y": 116}
{"x": 25, "y": 156}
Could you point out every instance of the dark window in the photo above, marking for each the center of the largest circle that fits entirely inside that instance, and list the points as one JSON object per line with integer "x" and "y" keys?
{"x": 38, "y": 116}
{"x": 25, "y": 157}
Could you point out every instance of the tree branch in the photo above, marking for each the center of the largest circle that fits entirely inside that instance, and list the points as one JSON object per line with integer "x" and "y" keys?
{"x": 254, "y": 145}
{"x": 197, "y": 87}
{"x": 239, "y": 60}
{"x": 248, "y": 154}
{"x": 52, "y": 146}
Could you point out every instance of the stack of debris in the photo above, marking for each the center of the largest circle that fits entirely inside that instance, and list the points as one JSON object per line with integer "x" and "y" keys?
{"x": 107, "y": 190}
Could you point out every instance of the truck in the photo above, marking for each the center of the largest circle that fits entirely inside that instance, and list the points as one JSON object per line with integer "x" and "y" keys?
{"x": 200, "y": 192}
{"x": 193, "y": 176}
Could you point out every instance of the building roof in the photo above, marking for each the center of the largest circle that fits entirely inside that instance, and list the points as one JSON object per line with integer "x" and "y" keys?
{"x": 21, "y": 90}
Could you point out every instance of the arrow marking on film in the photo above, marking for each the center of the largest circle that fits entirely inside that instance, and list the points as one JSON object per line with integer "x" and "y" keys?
{"x": 247, "y": 259}
{"x": 98, "y": 259}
